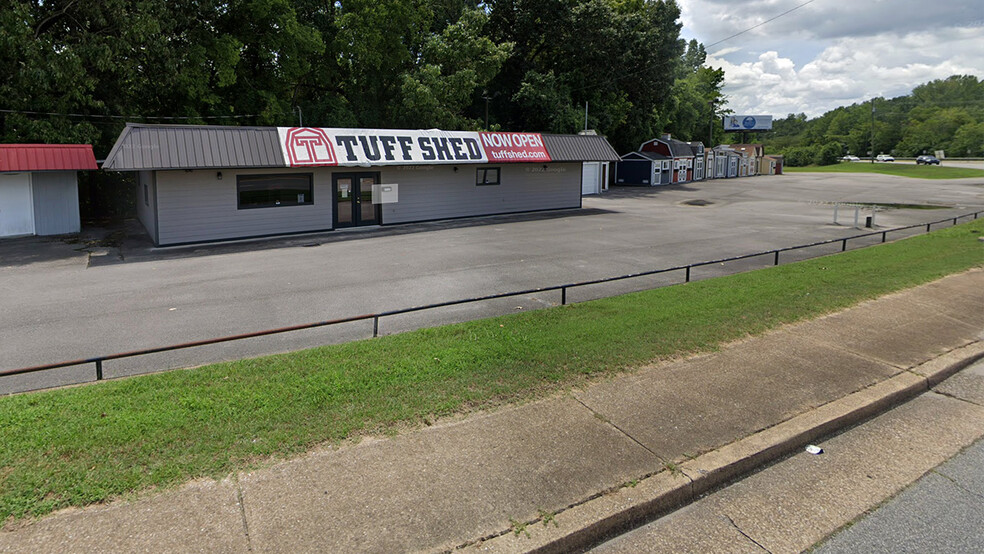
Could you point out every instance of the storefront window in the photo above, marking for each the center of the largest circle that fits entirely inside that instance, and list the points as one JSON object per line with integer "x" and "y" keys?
{"x": 268, "y": 191}
{"x": 487, "y": 176}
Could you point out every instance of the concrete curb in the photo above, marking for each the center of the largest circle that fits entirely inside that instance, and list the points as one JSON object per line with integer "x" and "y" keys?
{"x": 583, "y": 525}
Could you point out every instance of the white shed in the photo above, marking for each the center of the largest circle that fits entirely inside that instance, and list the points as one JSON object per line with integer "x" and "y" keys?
{"x": 39, "y": 192}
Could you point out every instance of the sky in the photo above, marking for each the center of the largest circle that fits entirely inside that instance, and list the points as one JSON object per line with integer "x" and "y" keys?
{"x": 832, "y": 53}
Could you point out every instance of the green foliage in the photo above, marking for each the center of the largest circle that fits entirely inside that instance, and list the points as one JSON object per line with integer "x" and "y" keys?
{"x": 799, "y": 156}
{"x": 939, "y": 115}
{"x": 527, "y": 64}
{"x": 828, "y": 154}
{"x": 81, "y": 445}
{"x": 968, "y": 140}
{"x": 453, "y": 65}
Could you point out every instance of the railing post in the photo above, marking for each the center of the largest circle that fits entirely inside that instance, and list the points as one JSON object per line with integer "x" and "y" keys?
{"x": 883, "y": 235}
{"x": 954, "y": 221}
{"x": 563, "y": 296}
{"x": 687, "y": 280}
{"x": 99, "y": 370}
{"x": 375, "y": 326}
{"x": 777, "y": 258}
{"x": 843, "y": 245}
{"x": 928, "y": 225}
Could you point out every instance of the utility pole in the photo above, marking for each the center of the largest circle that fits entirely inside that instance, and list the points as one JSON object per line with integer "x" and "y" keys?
{"x": 872, "y": 130}
{"x": 585, "y": 115}
{"x": 485, "y": 95}
{"x": 710, "y": 126}
{"x": 300, "y": 117}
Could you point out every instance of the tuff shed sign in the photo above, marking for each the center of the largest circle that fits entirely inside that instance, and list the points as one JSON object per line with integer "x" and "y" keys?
{"x": 308, "y": 146}
{"x": 514, "y": 147}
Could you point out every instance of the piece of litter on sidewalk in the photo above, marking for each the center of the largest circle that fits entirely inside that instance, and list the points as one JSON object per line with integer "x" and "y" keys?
{"x": 814, "y": 449}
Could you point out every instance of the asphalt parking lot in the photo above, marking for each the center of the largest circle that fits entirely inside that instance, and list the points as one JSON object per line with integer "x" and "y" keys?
{"x": 65, "y": 299}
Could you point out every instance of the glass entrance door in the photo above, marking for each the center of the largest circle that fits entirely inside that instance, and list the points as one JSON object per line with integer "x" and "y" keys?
{"x": 353, "y": 199}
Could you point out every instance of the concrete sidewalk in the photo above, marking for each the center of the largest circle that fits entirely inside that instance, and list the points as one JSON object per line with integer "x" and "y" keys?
{"x": 559, "y": 473}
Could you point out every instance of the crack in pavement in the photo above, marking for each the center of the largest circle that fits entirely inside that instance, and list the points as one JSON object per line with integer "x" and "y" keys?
{"x": 242, "y": 513}
{"x": 744, "y": 534}
{"x": 602, "y": 417}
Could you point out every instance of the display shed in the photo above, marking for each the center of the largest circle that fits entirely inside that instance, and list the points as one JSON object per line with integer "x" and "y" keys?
{"x": 647, "y": 169}
{"x": 680, "y": 153}
{"x": 210, "y": 183}
{"x": 39, "y": 192}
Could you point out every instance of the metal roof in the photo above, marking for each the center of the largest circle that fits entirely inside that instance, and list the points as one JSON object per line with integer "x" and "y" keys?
{"x": 648, "y": 155}
{"x": 46, "y": 157}
{"x": 679, "y": 149}
{"x": 147, "y": 147}
{"x": 194, "y": 147}
{"x": 579, "y": 148}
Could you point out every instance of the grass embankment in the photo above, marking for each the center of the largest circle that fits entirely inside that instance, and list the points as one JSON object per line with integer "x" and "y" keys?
{"x": 902, "y": 169}
{"x": 86, "y": 444}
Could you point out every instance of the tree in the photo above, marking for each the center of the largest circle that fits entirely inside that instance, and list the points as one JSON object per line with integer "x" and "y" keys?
{"x": 453, "y": 65}
{"x": 621, "y": 58}
{"x": 968, "y": 140}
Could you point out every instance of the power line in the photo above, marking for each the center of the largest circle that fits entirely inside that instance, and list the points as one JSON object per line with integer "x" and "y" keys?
{"x": 760, "y": 24}
{"x": 644, "y": 69}
{"x": 132, "y": 117}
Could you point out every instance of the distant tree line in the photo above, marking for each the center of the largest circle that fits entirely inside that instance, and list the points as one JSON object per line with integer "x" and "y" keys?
{"x": 945, "y": 114}
{"x": 455, "y": 64}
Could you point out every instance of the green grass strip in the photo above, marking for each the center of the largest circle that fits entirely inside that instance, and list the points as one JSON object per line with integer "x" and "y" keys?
{"x": 902, "y": 169}
{"x": 75, "y": 446}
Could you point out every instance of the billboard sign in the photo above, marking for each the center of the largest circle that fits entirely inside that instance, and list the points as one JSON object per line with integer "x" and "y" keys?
{"x": 312, "y": 147}
{"x": 747, "y": 123}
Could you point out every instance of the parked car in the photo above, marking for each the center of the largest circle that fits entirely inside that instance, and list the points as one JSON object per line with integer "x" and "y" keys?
{"x": 884, "y": 158}
{"x": 927, "y": 160}
{"x": 850, "y": 158}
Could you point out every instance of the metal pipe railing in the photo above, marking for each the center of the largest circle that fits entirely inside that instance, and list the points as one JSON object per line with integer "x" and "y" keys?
{"x": 375, "y": 317}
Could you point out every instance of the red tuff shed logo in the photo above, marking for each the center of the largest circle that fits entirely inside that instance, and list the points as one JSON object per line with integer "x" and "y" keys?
{"x": 309, "y": 146}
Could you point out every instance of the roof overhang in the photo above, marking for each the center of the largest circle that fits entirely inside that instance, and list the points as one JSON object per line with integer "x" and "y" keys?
{"x": 46, "y": 157}
{"x": 165, "y": 147}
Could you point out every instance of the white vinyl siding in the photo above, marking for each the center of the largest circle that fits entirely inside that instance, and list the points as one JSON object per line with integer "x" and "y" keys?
{"x": 16, "y": 205}
{"x": 56, "y": 202}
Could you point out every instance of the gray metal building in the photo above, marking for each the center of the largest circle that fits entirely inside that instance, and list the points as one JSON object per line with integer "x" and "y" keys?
{"x": 208, "y": 183}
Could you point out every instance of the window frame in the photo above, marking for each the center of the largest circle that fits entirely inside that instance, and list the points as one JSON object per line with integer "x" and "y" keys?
{"x": 485, "y": 171}
{"x": 309, "y": 196}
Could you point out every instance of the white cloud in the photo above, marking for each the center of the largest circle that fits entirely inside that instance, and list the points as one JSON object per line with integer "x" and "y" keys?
{"x": 829, "y": 54}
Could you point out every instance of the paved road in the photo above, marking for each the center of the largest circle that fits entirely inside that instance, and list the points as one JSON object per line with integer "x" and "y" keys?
{"x": 942, "y": 512}
{"x": 59, "y": 303}
{"x": 800, "y": 501}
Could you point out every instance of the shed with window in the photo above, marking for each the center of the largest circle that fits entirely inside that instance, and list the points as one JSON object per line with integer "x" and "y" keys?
{"x": 647, "y": 169}
{"x": 207, "y": 183}
{"x": 680, "y": 154}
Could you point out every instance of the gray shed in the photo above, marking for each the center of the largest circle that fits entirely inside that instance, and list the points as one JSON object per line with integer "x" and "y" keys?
{"x": 648, "y": 169}
{"x": 208, "y": 183}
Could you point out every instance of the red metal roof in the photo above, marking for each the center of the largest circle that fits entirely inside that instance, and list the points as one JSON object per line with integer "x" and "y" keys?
{"x": 46, "y": 157}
